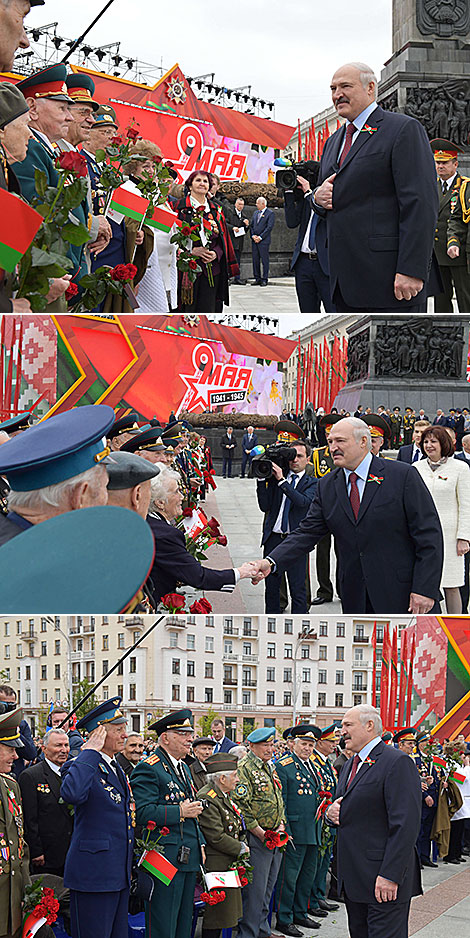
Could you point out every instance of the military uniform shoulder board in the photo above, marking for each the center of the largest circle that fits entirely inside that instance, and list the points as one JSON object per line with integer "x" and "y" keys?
{"x": 286, "y": 760}
{"x": 212, "y": 794}
{"x": 152, "y": 760}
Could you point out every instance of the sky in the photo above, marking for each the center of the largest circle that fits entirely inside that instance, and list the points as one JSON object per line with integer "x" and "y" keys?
{"x": 286, "y": 51}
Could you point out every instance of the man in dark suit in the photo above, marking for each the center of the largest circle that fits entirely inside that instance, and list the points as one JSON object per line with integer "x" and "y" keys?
{"x": 228, "y": 445}
{"x": 203, "y": 747}
{"x": 439, "y": 419}
{"x": 361, "y": 499}
{"x": 261, "y": 226}
{"x": 465, "y": 454}
{"x": 238, "y": 225}
{"x": 249, "y": 441}
{"x": 453, "y": 270}
{"x": 378, "y": 864}
{"x": 310, "y": 258}
{"x": 411, "y": 452}
{"x": 378, "y": 194}
{"x": 48, "y": 820}
{"x": 285, "y": 499}
{"x": 222, "y": 742}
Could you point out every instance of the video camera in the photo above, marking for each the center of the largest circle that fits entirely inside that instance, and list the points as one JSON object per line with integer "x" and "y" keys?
{"x": 286, "y": 178}
{"x": 7, "y": 707}
{"x": 279, "y": 453}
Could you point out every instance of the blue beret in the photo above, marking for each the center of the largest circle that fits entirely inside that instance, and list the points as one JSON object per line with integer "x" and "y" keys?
{"x": 57, "y": 449}
{"x": 106, "y": 712}
{"x": 262, "y": 734}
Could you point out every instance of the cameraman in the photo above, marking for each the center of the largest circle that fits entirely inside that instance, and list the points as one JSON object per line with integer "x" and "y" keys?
{"x": 285, "y": 499}
{"x": 310, "y": 258}
{"x": 28, "y": 751}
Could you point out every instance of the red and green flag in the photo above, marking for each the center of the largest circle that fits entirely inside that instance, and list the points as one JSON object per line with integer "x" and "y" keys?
{"x": 439, "y": 762}
{"x": 163, "y": 219}
{"x": 457, "y": 777}
{"x": 158, "y": 866}
{"x": 18, "y": 225}
{"x": 127, "y": 203}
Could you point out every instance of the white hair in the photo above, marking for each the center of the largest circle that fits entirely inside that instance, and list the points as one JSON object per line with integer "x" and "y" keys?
{"x": 159, "y": 487}
{"x": 359, "y": 428}
{"x": 48, "y": 734}
{"x": 366, "y": 74}
{"x": 56, "y": 496}
{"x": 366, "y": 713}
{"x": 213, "y": 777}
{"x": 133, "y": 733}
{"x": 239, "y": 751}
{"x": 261, "y": 198}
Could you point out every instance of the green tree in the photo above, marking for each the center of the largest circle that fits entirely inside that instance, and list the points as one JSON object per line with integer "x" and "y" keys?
{"x": 206, "y": 721}
{"x": 248, "y": 726}
{"x": 81, "y": 690}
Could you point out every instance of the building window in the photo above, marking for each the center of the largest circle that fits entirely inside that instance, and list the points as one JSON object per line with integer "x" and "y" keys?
{"x": 19, "y": 651}
{"x": 322, "y": 677}
{"x": 57, "y": 647}
{"x": 287, "y": 699}
{"x": 323, "y": 630}
{"x": 120, "y": 640}
{"x": 357, "y": 699}
{"x": 209, "y": 669}
{"x": 175, "y": 666}
{"x": 105, "y": 667}
{"x": 358, "y": 655}
{"x": 6, "y": 651}
{"x": 227, "y": 696}
{"x": 323, "y": 652}
{"x": 340, "y": 652}
{"x": 340, "y": 630}
{"x": 190, "y": 694}
{"x": 228, "y": 625}
{"x": 271, "y": 650}
{"x": 306, "y": 675}
{"x": 247, "y": 626}
{"x": 287, "y": 651}
{"x": 27, "y": 672}
{"x": 338, "y": 700}
{"x": 270, "y": 698}
{"x": 135, "y": 637}
{"x": 339, "y": 677}
{"x": 173, "y": 639}
{"x": 120, "y": 690}
{"x": 120, "y": 668}
{"x": 380, "y": 634}
{"x": 322, "y": 700}
{"x": 175, "y": 692}
{"x": 133, "y": 666}
{"x": 57, "y": 672}
{"x": 132, "y": 691}
{"x": 79, "y": 644}
{"x": 306, "y": 698}
{"x": 228, "y": 647}
{"x": 43, "y": 625}
{"x": 28, "y": 695}
{"x": 44, "y": 696}
{"x": 305, "y": 651}
{"x": 247, "y": 648}
{"x": 190, "y": 669}
{"x": 44, "y": 672}
{"x": 209, "y": 644}
{"x": 7, "y": 674}
{"x": 210, "y": 622}
{"x": 359, "y": 631}
{"x": 43, "y": 648}
{"x": 287, "y": 675}
{"x": 191, "y": 642}
{"x": 208, "y": 695}
{"x": 246, "y": 698}
{"x": 105, "y": 642}
{"x": 270, "y": 674}
{"x": 6, "y": 629}
{"x": 271, "y": 625}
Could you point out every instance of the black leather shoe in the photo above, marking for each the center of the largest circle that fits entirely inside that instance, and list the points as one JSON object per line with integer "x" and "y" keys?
{"x": 425, "y": 862}
{"x": 289, "y": 929}
{"x": 306, "y": 922}
{"x": 318, "y": 913}
{"x": 451, "y": 861}
{"x": 319, "y": 601}
{"x": 255, "y": 283}
{"x": 327, "y": 906}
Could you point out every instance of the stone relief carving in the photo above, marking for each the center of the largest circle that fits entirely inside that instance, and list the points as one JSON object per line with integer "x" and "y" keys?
{"x": 419, "y": 348}
{"x": 443, "y": 18}
{"x": 444, "y": 111}
{"x": 358, "y": 355}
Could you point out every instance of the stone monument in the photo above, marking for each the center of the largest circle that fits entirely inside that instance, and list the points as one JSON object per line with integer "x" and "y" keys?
{"x": 428, "y": 74}
{"x": 416, "y": 362}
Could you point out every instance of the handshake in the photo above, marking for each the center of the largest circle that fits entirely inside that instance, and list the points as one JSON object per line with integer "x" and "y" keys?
{"x": 256, "y": 570}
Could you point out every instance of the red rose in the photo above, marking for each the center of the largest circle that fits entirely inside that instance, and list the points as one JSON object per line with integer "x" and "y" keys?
{"x": 151, "y": 825}
{"x": 123, "y": 272}
{"x": 187, "y": 512}
{"x": 243, "y": 880}
{"x": 73, "y": 163}
{"x": 186, "y": 230}
{"x": 117, "y": 141}
{"x": 168, "y": 164}
{"x": 157, "y": 159}
{"x": 206, "y": 606}
{"x": 132, "y": 134}
{"x": 196, "y": 608}
{"x": 193, "y": 264}
{"x": 165, "y": 831}
{"x": 173, "y": 601}
{"x": 213, "y": 525}
{"x": 71, "y": 291}
{"x": 222, "y": 540}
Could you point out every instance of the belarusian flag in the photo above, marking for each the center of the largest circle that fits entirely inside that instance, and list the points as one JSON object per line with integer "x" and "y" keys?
{"x": 163, "y": 219}
{"x": 128, "y": 204}
{"x": 457, "y": 777}
{"x": 18, "y": 225}
{"x": 155, "y": 863}
{"x": 439, "y": 762}
{"x": 228, "y": 880}
{"x": 32, "y": 923}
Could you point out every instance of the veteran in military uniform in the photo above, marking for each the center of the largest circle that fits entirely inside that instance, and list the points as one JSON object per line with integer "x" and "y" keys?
{"x": 395, "y": 427}
{"x": 164, "y": 793}
{"x": 322, "y": 462}
{"x": 98, "y": 864}
{"x": 430, "y": 794}
{"x": 379, "y": 432}
{"x": 458, "y": 228}
{"x": 224, "y": 830}
{"x": 452, "y": 268}
{"x": 300, "y": 791}
{"x": 409, "y": 420}
{"x": 14, "y": 854}
{"x": 259, "y": 796}
{"x": 324, "y": 748}
{"x": 122, "y": 430}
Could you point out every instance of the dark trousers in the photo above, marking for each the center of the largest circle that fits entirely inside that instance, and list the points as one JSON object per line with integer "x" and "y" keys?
{"x": 295, "y": 577}
{"x": 377, "y": 920}
{"x": 260, "y": 255}
{"x": 460, "y": 278}
{"x": 170, "y": 911}
{"x": 342, "y": 306}
{"x": 455, "y": 842}
{"x": 238, "y": 253}
{"x": 394, "y": 436}
{"x": 204, "y": 296}
{"x": 227, "y": 466}
{"x": 312, "y": 286}
{"x": 325, "y": 586}
{"x": 423, "y": 843}
{"x": 246, "y": 458}
{"x": 465, "y": 589}
{"x": 99, "y": 912}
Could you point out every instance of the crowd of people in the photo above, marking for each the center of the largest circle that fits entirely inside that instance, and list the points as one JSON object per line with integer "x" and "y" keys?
{"x": 93, "y": 801}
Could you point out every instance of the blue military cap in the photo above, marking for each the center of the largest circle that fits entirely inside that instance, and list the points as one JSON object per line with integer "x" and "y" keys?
{"x": 148, "y": 439}
{"x": 287, "y": 734}
{"x": 106, "y": 712}
{"x": 329, "y": 732}
{"x": 387, "y": 737}
{"x": 94, "y": 560}
{"x": 187, "y": 426}
{"x": 57, "y": 449}
{"x": 127, "y": 424}
{"x": 261, "y": 734}
{"x": 47, "y": 83}
{"x": 173, "y": 433}
{"x": 14, "y": 424}
{"x": 81, "y": 89}
{"x": 179, "y": 721}
{"x": 306, "y": 731}
{"x": 125, "y": 470}
{"x": 105, "y": 116}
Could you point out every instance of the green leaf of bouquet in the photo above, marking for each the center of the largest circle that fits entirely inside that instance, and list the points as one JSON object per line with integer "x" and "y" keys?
{"x": 100, "y": 155}
{"x": 75, "y": 233}
{"x": 40, "y": 182}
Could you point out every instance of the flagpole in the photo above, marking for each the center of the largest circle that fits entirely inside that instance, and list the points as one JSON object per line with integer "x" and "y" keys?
{"x": 374, "y": 664}
{"x": 88, "y": 29}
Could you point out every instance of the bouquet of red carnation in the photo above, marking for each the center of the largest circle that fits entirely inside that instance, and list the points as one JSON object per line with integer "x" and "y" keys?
{"x": 213, "y": 897}
{"x": 245, "y": 871}
{"x": 151, "y": 841}
{"x": 40, "y": 907}
{"x": 273, "y": 839}
{"x": 174, "y": 602}
{"x": 325, "y": 799}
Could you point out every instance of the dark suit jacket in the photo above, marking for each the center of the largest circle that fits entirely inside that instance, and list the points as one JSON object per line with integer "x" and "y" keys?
{"x": 439, "y": 421}
{"x": 126, "y": 765}
{"x": 270, "y": 495}
{"x": 387, "y": 792}
{"x": 405, "y": 453}
{"x": 397, "y": 529}
{"x": 198, "y": 774}
{"x": 246, "y": 444}
{"x": 263, "y": 226}
{"x": 225, "y": 441}
{"x": 462, "y": 458}
{"x": 48, "y": 822}
{"x": 174, "y": 563}
{"x": 233, "y": 221}
{"x": 385, "y": 205}
{"x": 225, "y": 746}
{"x": 297, "y": 215}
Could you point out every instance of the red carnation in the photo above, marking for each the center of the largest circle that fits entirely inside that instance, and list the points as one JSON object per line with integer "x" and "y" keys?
{"x": 117, "y": 141}
{"x": 165, "y": 831}
{"x": 192, "y": 264}
{"x": 73, "y": 163}
{"x": 71, "y": 291}
{"x": 133, "y": 134}
{"x": 187, "y": 512}
{"x": 222, "y": 540}
{"x": 151, "y": 825}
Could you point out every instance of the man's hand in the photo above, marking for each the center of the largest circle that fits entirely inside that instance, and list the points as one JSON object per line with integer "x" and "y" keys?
{"x": 405, "y": 287}
{"x": 324, "y": 193}
{"x": 277, "y": 472}
{"x": 303, "y": 184}
{"x": 453, "y": 251}
{"x": 190, "y": 808}
{"x": 333, "y": 811}
{"x": 58, "y": 287}
{"x": 420, "y": 605}
{"x": 38, "y": 861}
{"x": 261, "y": 569}
{"x": 247, "y": 570}
{"x": 96, "y": 739}
{"x": 385, "y": 890}
{"x": 259, "y": 832}
{"x": 256, "y": 238}
{"x": 21, "y": 306}
{"x": 203, "y": 854}
{"x": 429, "y": 801}
{"x": 104, "y": 228}
{"x": 246, "y": 222}
{"x": 139, "y": 238}
{"x": 203, "y": 253}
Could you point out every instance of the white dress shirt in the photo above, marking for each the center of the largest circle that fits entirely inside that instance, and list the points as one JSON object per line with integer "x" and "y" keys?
{"x": 277, "y": 529}
{"x": 366, "y": 750}
{"x": 359, "y": 123}
{"x": 362, "y": 472}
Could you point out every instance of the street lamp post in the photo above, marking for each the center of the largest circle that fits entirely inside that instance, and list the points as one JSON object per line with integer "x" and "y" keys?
{"x": 307, "y": 632}
{"x": 69, "y": 659}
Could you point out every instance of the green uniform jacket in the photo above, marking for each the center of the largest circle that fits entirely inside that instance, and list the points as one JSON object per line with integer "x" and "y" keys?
{"x": 259, "y": 793}
{"x": 158, "y": 792}
{"x": 440, "y": 236}
{"x": 326, "y": 773}
{"x": 221, "y": 823}
{"x": 300, "y": 789}
{"x": 323, "y": 462}
{"x": 458, "y": 228}
{"x": 14, "y": 856}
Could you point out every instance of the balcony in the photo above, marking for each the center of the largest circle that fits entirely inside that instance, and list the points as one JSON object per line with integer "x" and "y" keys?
{"x": 230, "y": 681}
{"x": 361, "y": 639}
{"x": 249, "y": 683}
{"x": 133, "y": 622}
{"x": 231, "y": 657}
{"x": 83, "y": 655}
{"x": 250, "y": 633}
{"x": 359, "y": 688}
{"x": 29, "y": 636}
{"x": 175, "y": 622}
{"x": 252, "y": 659}
{"x": 230, "y": 629}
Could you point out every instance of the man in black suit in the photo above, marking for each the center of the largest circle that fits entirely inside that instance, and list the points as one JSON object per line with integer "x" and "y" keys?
{"x": 285, "y": 499}
{"x": 411, "y": 452}
{"x": 261, "y": 226}
{"x": 379, "y": 196}
{"x": 48, "y": 821}
{"x": 378, "y": 864}
{"x": 249, "y": 441}
{"x": 238, "y": 225}
{"x": 310, "y": 258}
{"x": 439, "y": 419}
{"x": 382, "y": 517}
{"x": 465, "y": 454}
{"x": 228, "y": 444}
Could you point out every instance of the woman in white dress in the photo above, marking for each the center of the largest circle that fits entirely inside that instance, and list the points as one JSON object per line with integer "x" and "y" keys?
{"x": 448, "y": 480}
